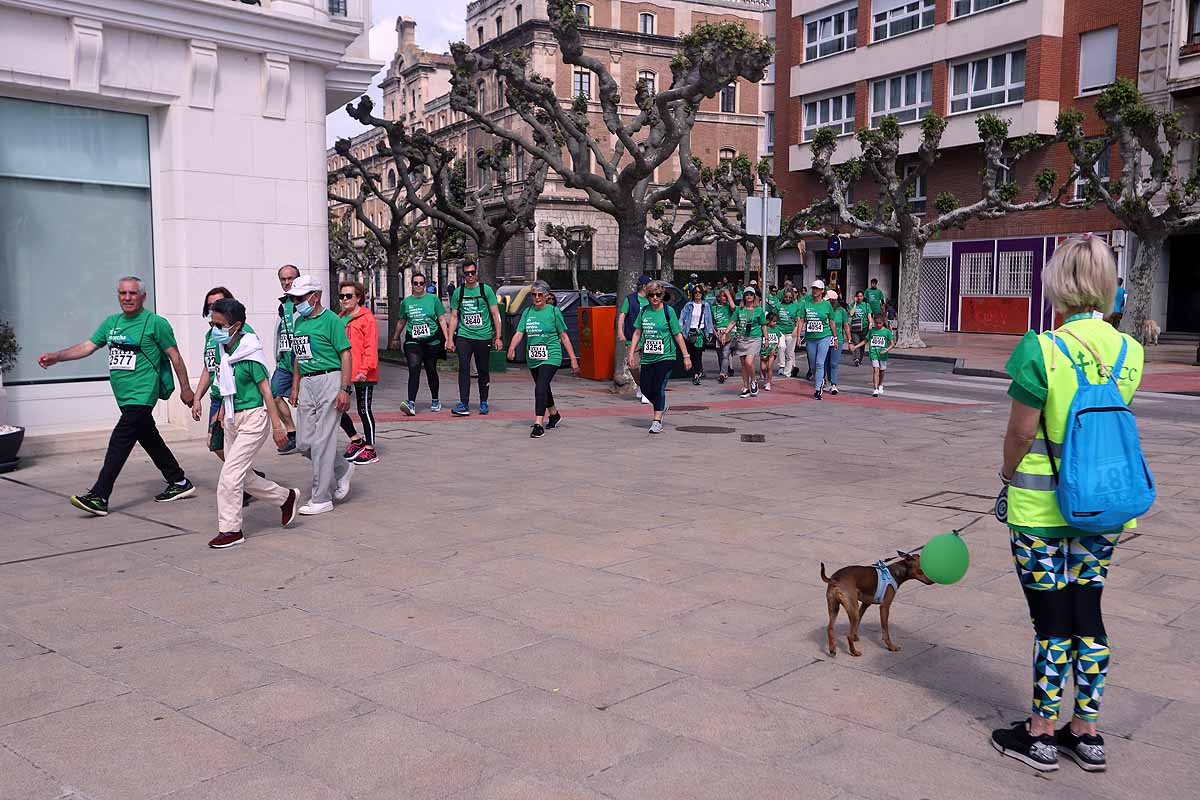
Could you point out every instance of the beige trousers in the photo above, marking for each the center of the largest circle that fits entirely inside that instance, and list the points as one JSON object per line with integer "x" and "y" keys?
{"x": 244, "y": 436}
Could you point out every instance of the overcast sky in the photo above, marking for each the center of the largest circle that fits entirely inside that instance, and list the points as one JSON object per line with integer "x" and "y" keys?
{"x": 438, "y": 23}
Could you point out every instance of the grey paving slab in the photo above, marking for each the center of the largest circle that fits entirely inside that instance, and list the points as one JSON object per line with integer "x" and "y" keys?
{"x": 267, "y": 630}
{"x": 339, "y": 658}
{"x": 729, "y": 661}
{"x": 266, "y": 780}
{"x": 47, "y": 683}
{"x": 24, "y": 781}
{"x": 431, "y": 688}
{"x": 527, "y": 784}
{"x": 14, "y": 646}
{"x": 474, "y": 638}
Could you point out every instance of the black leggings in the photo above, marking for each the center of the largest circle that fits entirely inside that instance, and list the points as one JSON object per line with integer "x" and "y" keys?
{"x": 543, "y": 395}
{"x": 654, "y": 382}
{"x": 481, "y": 349}
{"x": 697, "y": 356}
{"x": 420, "y": 354}
{"x": 363, "y": 393}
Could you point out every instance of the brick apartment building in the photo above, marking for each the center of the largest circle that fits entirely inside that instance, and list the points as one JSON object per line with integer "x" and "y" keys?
{"x": 850, "y": 63}
{"x": 637, "y": 40}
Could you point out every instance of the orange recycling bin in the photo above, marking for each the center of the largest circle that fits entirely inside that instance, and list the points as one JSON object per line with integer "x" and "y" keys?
{"x": 597, "y": 340}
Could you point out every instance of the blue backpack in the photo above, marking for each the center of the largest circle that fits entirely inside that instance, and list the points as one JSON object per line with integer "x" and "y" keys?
{"x": 1103, "y": 481}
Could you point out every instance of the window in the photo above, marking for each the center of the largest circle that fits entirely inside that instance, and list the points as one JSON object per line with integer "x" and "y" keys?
{"x": 726, "y": 155}
{"x": 916, "y": 194}
{"x": 977, "y": 273}
{"x": 727, "y": 255}
{"x": 1081, "y": 183}
{"x": 835, "y": 112}
{"x": 1006, "y": 172}
{"x": 519, "y": 165}
{"x": 581, "y": 84}
{"x": 499, "y": 25}
{"x": 1193, "y": 25}
{"x": 482, "y": 96}
{"x": 391, "y": 179}
{"x": 769, "y": 129}
{"x": 729, "y": 99}
{"x": 479, "y": 33}
{"x": 832, "y": 32}
{"x": 583, "y": 12}
{"x": 645, "y": 23}
{"x": 1014, "y": 273}
{"x": 990, "y": 81}
{"x": 894, "y": 17}
{"x": 964, "y": 7}
{"x": 907, "y": 97}
{"x": 519, "y": 14}
{"x": 650, "y": 79}
{"x": 482, "y": 178}
{"x": 94, "y": 170}
{"x": 1097, "y": 59}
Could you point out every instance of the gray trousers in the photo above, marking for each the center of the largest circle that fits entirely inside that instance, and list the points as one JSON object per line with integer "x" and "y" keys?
{"x": 316, "y": 432}
{"x": 724, "y": 353}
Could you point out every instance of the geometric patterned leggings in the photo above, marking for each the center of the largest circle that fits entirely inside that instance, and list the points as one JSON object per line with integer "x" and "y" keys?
{"x": 1062, "y": 580}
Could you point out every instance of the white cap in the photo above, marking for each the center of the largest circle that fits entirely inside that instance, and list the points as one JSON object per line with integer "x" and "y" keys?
{"x": 831, "y": 295}
{"x": 304, "y": 285}
{"x": 817, "y": 284}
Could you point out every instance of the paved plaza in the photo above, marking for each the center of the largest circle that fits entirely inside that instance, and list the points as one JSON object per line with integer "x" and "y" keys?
{"x": 596, "y": 614}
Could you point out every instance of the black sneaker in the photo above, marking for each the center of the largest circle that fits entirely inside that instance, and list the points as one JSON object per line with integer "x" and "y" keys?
{"x": 1039, "y": 752}
{"x": 91, "y": 503}
{"x": 289, "y": 446}
{"x": 744, "y": 393}
{"x": 537, "y": 432}
{"x": 1087, "y": 751}
{"x": 817, "y": 394}
{"x": 553, "y": 421}
{"x": 754, "y": 388}
{"x": 175, "y": 491}
{"x": 695, "y": 380}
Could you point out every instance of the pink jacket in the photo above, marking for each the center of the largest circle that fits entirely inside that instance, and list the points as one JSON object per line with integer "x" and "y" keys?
{"x": 363, "y": 332}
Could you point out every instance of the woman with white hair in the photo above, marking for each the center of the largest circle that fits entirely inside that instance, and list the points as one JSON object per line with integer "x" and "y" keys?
{"x": 1062, "y": 569}
{"x": 545, "y": 331}
{"x": 657, "y": 337}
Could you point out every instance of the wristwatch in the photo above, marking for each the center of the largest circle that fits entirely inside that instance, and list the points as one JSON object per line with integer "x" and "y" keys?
{"x": 347, "y": 389}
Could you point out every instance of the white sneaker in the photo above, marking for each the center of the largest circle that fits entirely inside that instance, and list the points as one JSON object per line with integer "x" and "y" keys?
{"x": 643, "y": 399}
{"x": 876, "y": 392}
{"x": 767, "y": 386}
{"x": 656, "y": 426}
{"x": 881, "y": 388}
{"x": 310, "y": 508}
{"x": 343, "y": 485}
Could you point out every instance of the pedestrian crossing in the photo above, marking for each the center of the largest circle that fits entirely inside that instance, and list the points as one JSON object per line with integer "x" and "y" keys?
{"x": 918, "y": 396}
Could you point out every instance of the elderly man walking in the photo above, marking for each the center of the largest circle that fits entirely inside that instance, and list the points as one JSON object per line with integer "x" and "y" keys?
{"x": 141, "y": 355}
{"x": 321, "y": 390}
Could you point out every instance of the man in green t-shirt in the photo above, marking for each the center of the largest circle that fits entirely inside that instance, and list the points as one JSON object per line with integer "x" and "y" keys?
{"x": 281, "y": 378}
{"x": 875, "y": 298}
{"x": 321, "y": 391}
{"x": 475, "y": 324}
{"x": 790, "y": 312}
{"x": 141, "y": 355}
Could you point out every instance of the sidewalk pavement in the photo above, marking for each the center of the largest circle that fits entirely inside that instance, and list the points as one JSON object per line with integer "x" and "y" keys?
{"x": 596, "y": 614}
{"x": 1169, "y": 367}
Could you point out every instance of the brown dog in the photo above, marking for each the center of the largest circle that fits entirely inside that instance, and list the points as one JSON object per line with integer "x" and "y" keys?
{"x": 854, "y": 588}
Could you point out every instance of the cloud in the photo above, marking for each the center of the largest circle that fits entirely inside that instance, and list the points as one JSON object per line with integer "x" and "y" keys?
{"x": 435, "y": 31}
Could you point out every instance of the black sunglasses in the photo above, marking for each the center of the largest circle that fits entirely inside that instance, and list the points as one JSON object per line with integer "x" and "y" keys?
{"x": 654, "y": 294}
{"x": 347, "y": 296}
{"x": 418, "y": 283}
{"x": 468, "y": 273}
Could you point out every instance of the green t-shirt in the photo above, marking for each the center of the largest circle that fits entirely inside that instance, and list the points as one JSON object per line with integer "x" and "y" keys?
{"x": 721, "y": 315}
{"x": 818, "y": 318}
{"x": 212, "y": 357}
{"x": 875, "y": 298}
{"x": 658, "y": 334}
{"x": 319, "y": 342}
{"x": 860, "y": 318}
{"x": 879, "y": 340}
{"x": 772, "y": 334}
{"x": 750, "y": 322}
{"x": 642, "y": 303}
{"x": 841, "y": 318}
{"x": 541, "y": 329}
{"x": 246, "y": 375}
{"x": 135, "y": 355}
{"x": 474, "y": 312}
{"x": 788, "y": 314}
{"x": 287, "y": 322}
{"x": 421, "y": 315}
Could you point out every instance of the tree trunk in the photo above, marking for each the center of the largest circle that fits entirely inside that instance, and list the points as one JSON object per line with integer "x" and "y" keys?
{"x": 749, "y": 251}
{"x": 393, "y": 293}
{"x": 487, "y": 267}
{"x": 666, "y": 265}
{"x": 908, "y": 313}
{"x": 1139, "y": 285}
{"x": 772, "y": 276}
{"x": 631, "y": 250}
{"x": 574, "y": 258}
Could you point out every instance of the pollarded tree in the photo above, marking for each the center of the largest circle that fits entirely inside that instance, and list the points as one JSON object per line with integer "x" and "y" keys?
{"x": 667, "y": 234}
{"x": 571, "y": 240}
{"x": 617, "y": 178}
{"x": 1148, "y": 196}
{"x": 348, "y": 256}
{"x": 489, "y": 215}
{"x": 893, "y": 215}
{"x": 723, "y": 192}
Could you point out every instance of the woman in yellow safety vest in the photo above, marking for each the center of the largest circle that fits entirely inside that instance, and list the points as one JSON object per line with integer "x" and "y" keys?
{"x": 1061, "y": 568}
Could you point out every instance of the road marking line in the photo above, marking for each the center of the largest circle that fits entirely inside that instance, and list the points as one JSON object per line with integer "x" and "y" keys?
{"x": 929, "y": 398}
{"x": 1167, "y": 396}
{"x": 966, "y": 382}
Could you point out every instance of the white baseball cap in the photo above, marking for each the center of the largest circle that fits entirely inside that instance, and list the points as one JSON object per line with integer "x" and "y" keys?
{"x": 831, "y": 295}
{"x": 304, "y": 285}
{"x": 817, "y": 284}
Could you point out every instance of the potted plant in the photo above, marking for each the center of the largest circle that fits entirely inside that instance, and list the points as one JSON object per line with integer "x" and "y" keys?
{"x": 10, "y": 436}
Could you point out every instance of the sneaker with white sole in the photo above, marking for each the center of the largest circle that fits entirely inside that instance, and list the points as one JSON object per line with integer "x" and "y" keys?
{"x": 408, "y": 408}
{"x": 311, "y": 508}
{"x": 881, "y": 388}
{"x": 767, "y": 386}
{"x": 288, "y": 510}
{"x": 435, "y": 406}
{"x": 644, "y": 400}
{"x": 223, "y": 540}
{"x": 876, "y": 392}
{"x": 1039, "y": 752}
{"x": 1087, "y": 750}
{"x": 656, "y": 426}
{"x": 175, "y": 491}
{"x": 744, "y": 393}
{"x": 343, "y": 485}
{"x": 833, "y": 389}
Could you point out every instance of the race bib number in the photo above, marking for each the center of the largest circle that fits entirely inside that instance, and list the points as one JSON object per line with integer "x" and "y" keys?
{"x": 772, "y": 339}
{"x": 302, "y": 348}
{"x": 210, "y": 359}
{"x": 473, "y": 320}
{"x": 122, "y": 360}
{"x": 539, "y": 352}
{"x": 653, "y": 347}
{"x": 814, "y": 326}
{"x": 878, "y": 342}
{"x": 420, "y": 330}
{"x": 285, "y": 343}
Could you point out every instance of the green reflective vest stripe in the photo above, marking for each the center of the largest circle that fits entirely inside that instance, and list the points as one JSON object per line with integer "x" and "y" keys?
{"x": 1032, "y": 503}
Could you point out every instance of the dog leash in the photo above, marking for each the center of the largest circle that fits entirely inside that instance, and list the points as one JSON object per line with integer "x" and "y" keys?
{"x": 958, "y": 531}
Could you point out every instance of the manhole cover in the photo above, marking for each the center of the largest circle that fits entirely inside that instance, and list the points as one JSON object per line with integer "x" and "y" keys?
{"x": 753, "y": 437}
{"x": 689, "y": 408}
{"x": 704, "y": 429}
{"x": 757, "y": 416}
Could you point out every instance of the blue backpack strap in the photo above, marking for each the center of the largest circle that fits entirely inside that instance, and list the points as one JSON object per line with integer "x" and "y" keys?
{"x": 1117, "y": 367}
{"x": 1080, "y": 375}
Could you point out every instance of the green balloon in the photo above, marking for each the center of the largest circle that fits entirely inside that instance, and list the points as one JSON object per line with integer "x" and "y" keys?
{"x": 944, "y": 558}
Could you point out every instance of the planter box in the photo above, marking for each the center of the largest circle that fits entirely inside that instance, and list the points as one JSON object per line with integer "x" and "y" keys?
{"x": 10, "y": 445}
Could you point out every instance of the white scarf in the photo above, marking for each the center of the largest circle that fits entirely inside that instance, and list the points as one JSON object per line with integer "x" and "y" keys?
{"x": 249, "y": 349}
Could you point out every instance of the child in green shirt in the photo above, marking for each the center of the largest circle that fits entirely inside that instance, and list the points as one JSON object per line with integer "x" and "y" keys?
{"x": 770, "y": 348}
{"x": 879, "y": 343}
